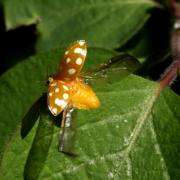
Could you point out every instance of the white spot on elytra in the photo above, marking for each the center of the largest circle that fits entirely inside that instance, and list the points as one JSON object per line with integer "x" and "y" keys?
{"x": 54, "y": 111}
{"x": 66, "y": 52}
{"x": 80, "y": 51}
{"x": 71, "y": 71}
{"x": 57, "y": 90}
{"x": 68, "y": 60}
{"x": 50, "y": 94}
{"x": 81, "y": 42}
{"x": 60, "y": 102}
{"x": 79, "y": 61}
{"x": 65, "y": 87}
{"x": 65, "y": 96}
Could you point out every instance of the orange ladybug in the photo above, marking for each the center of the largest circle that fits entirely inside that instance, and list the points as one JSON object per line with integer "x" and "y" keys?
{"x": 66, "y": 88}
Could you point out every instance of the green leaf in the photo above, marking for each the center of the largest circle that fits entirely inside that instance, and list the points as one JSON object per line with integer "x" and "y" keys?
{"x": 102, "y": 23}
{"x": 133, "y": 135}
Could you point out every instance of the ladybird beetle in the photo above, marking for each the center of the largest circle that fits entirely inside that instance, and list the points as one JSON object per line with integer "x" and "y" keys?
{"x": 66, "y": 88}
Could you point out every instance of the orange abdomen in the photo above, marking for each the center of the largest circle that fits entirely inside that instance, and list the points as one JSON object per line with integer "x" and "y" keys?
{"x": 83, "y": 97}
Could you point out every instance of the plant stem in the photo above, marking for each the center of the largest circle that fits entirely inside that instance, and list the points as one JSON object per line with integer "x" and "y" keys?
{"x": 171, "y": 72}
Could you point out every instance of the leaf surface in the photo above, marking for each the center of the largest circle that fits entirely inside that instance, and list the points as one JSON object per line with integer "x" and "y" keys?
{"x": 133, "y": 135}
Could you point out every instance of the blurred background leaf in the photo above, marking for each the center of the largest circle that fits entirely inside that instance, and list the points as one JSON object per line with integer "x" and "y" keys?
{"x": 102, "y": 23}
